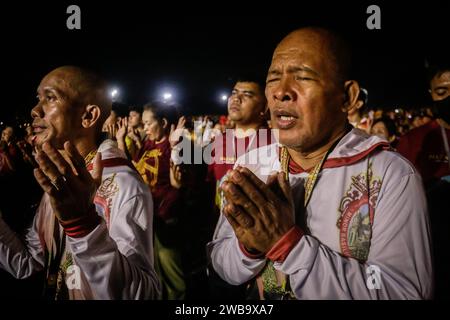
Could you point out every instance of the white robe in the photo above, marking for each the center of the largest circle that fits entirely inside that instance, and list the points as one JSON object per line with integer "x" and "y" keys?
{"x": 398, "y": 264}
{"x": 115, "y": 259}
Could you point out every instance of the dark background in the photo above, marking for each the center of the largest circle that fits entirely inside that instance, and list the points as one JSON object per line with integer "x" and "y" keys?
{"x": 199, "y": 48}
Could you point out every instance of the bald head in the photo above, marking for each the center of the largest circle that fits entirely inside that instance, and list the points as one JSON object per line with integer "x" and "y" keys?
{"x": 318, "y": 40}
{"x": 85, "y": 88}
{"x": 73, "y": 105}
{"x": 309, "y": 90}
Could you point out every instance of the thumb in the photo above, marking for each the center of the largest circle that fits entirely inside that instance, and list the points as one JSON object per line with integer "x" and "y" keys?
{"x": 285, "y": 187}
{"x": 97, "y": 170}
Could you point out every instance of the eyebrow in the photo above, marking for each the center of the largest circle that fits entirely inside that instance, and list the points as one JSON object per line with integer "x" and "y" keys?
{"x": 294, "y": 70}
{"x": 244, "y": 91}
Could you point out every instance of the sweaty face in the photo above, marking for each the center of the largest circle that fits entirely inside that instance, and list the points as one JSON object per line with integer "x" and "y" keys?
{"x": 153, "y": 128}
{"x": 303, "y": 94}
{"x": 440, "y": 86}
{"x": 134, "y": 119}
{"x": 56, "y": 117}
{"x": 246, "y": 103}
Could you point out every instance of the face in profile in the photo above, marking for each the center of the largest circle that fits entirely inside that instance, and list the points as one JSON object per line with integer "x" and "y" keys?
{"x": 153, "y": 127}
{"x": 56, "y": 117}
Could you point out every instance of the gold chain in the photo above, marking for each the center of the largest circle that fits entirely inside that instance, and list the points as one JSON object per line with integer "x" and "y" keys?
{"x": 312, "y": 177}
{"x": 90, "y": 156}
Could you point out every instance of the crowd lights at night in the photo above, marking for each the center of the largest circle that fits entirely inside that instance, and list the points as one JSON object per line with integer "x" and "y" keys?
{"x": 167, "y": 95}
{"x": 114, "y": 93}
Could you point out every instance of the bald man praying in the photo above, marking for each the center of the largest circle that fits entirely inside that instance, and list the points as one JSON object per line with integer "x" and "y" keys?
{"x": 342, "y": 216}
{"x": 92, "y": 233}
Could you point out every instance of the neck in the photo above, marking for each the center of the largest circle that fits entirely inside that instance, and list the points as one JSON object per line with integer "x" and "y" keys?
{"x": 308, "y": 160}
{"x": 85, "y": 148}
{"x": 244, "y": 130}
{"x": 354, "y": 118}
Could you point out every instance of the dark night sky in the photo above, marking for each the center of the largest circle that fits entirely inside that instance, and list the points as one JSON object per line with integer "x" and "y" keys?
{"x": 199, "y": 48}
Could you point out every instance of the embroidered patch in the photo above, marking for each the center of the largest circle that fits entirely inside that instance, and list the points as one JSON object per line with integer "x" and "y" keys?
{"x": 103, "y": 198}
{"x": 356, "y": 215}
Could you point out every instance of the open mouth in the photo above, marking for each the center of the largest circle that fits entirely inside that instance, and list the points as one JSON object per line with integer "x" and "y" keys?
{"x": 284, "y": 119}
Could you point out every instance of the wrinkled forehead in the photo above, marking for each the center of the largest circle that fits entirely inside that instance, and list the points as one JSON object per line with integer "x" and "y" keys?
{"x": 303, "y": 51}
{"x": 60, "y": 81}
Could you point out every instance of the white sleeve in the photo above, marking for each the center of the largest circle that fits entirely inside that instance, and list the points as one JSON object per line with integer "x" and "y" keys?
{"x": 227, "y": 258}
{"x": 119, "y": 264}
{"x": 399, "y": 263}
{"x": 21, "y": 258}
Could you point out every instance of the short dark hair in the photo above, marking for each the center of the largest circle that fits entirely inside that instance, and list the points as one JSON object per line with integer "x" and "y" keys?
{"x": 259, "y": 79}
{"x": 134, "y": 108}
{"x": 436, "y": 65}
{"x": 119, "y": 108}
{"x": 389, "y": 124}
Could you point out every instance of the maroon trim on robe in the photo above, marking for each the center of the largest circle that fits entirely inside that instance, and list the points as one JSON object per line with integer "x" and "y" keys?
{"x": 113, "y": 162}
{"x": 295, "y": 168}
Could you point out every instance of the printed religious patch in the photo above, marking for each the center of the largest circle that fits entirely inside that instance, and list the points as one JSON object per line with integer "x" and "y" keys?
{"x": 104, "y": 196}
{"x": 357, "y": 211}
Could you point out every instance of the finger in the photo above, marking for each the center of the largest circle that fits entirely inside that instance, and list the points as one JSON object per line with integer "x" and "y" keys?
{"x": 274, "y": 186}
{"x": 181, "y": 122}
{"x": 77, "y": 161}
{"x": 268, "y": 194}
{"x": 98, "y": 169}
{"x": 47, "y": 166}
{"x": 234, "y": 224}
{"x": 285, "y": 187}
{"x": 273, "y": 177}
{"x": 44, "y": 182}
{"x": 237, "y": 217}
{"x": 248, "y": 187}
{"x": 235, "y": 196}
{"x": 58, "y": 160}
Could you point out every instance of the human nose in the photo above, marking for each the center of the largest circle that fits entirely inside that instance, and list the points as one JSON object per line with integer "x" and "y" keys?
{"x": 37, "y": 111}
{"x": 284, "y": 91}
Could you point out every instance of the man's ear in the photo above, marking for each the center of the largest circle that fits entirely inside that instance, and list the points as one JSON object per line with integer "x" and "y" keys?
{"x": 351, "y": 102}
{"x": 90, "y": 116}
